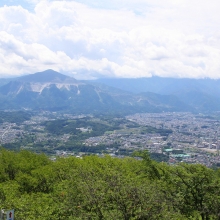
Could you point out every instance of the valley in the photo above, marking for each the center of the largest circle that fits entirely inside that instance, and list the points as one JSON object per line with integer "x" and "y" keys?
{"x": 169, "y": 137}
{"x": 176, "y": 120}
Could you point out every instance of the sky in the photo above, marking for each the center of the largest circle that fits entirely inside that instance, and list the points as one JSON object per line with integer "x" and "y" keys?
{"x": 111, "y": 38}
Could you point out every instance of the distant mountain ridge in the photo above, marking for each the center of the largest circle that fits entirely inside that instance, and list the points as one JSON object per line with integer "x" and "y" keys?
{"x": 37, "y": 82}
{"x": 200, "y": 94}
{"x": 53, "y": 91}
{"x": 161, "y": 85}
{"x": 47, "y": 76}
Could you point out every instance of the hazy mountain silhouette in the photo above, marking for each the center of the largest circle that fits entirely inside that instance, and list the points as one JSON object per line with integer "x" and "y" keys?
{"x": 50, "y": 90}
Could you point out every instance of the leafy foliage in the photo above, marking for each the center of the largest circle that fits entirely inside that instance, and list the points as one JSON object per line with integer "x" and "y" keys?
{"x": 106, "y": 188}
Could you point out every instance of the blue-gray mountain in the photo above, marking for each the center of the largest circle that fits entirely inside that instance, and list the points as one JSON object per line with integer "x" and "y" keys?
{"x": 202, "y": 95}
{"x": 50, "y": 90}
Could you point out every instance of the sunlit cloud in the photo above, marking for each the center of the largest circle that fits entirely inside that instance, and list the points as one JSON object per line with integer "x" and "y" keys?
{"x": 109, "y": 39}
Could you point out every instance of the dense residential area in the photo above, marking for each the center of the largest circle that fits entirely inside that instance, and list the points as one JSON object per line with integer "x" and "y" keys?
{"x": 177, "y": 137}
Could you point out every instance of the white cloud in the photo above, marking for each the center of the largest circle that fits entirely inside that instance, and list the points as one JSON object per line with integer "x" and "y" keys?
{"x": 127, "y": 39}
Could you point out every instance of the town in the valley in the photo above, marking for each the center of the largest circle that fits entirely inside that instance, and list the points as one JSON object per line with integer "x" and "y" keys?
{"x": 177, "y": 136}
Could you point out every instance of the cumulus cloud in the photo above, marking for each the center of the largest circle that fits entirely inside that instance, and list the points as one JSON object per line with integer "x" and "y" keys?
{"x": 88, "y": 39}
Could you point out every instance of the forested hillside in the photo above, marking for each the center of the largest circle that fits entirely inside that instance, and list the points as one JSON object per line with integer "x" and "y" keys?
{"x": 106, "y": 188}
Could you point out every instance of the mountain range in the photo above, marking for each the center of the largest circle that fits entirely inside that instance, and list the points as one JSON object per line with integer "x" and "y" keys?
{"x": 201, "y": 95}
{"x": 53, "y": 91}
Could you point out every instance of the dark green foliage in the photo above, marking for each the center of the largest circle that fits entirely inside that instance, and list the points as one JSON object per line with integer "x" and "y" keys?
{"x": 95, "y": 128}
{"x": 106, "y": 188}
{"x": 159, "y": 157}
{"x": 14, "y": 117}
{"x": 161, "y": 131}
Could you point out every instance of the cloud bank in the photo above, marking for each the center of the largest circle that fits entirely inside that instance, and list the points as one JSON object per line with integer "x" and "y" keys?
{"x": 133, "y": 38}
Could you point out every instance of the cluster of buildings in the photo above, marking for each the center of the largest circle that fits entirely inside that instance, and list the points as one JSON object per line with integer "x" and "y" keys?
{"x": 197, "y": 137}
{"x": 194, "y": 138}
{"x": 9, "y": 132}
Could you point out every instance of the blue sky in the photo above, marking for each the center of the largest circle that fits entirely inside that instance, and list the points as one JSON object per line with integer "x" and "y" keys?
{"x": 89, "y": 39}
{"x": 29, "y": 4}
{"x": 23, "y": 3}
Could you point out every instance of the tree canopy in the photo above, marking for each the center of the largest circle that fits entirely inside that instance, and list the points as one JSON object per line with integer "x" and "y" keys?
{"x": 95, "y": 187}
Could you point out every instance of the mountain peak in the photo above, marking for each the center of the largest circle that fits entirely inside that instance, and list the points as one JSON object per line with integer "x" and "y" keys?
{"x": 47, "y": 76}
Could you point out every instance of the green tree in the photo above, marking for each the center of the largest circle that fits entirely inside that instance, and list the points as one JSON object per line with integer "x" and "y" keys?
{"x": 197, "y": 190}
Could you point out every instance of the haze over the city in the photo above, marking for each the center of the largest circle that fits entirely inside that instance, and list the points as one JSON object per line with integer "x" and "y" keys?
{"x": 102, "y": 38}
